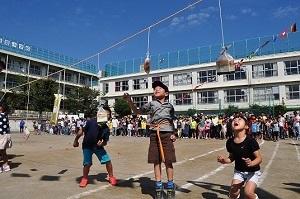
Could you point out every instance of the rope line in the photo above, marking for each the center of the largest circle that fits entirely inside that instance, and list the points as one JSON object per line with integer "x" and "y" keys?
{"x": 116, "y": 44}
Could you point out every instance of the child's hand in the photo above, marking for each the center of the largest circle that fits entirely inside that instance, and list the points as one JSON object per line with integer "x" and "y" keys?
{"x": 221, "y": 159}
{"x": 75, "y": 143}
{"x": 99, "y": 143}
{"x": 127, "y": 97}
{"x": 248, "y": 162}
{"x": 173, "y": 138}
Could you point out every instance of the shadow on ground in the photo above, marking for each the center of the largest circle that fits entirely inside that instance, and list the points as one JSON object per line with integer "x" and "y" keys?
{"x": 293, "y": 187}
{"x": 146, "y": 184}
{"x": 214, "y": 189}
{"x": 100, "y": 177}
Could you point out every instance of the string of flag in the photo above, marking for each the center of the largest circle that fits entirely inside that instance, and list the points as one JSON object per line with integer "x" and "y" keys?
{"x": 282, "y": 35}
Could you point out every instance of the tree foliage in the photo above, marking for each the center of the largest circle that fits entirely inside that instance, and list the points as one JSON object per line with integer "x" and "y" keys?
{"x": 231, "y": 110}
{"x": 121, "y": 107}
{"x": 82, "y": 100}
{"x": 258, "y": 110}
{"x": 191, "y": 112}
{"x": 42, "y": 95}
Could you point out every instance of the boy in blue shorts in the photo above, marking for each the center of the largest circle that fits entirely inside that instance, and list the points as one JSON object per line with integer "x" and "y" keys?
{"x": 95, "y": 138}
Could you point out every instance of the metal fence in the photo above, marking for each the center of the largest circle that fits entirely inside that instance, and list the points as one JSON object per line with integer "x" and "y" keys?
{"x": 206, "y": 54}
{"x": 44, "y": 54}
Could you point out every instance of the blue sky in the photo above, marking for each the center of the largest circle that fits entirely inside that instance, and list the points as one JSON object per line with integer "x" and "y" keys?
{"x": 81, "y": 28}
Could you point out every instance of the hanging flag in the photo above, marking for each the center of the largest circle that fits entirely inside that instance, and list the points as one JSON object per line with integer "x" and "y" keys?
{"x": 56, "y": 108}
{"x": 283, "y": 35}
{"x": 293, "y": 27}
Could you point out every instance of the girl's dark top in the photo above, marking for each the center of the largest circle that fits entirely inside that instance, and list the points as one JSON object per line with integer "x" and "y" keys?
{"x": 4, "y": 124}
{"x": 93, "y": 132}
{"x": 241, "y": 150}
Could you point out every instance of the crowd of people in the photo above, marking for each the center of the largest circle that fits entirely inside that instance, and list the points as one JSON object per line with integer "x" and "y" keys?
{"x": 199, "y": 126}
{"x": 205, "y": 127}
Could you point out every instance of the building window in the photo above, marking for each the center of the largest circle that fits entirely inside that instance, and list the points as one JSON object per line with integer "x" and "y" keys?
{"x": 140, "y": 84}
{"x": 293, "y": 91}
{"x": 106, "y": 87}
{"x": 207, "y": 76}
{"x": 35, "y": 70}
{"x": 121, "y": 86}
{"x": 17, "y": 66}
{"x": 10, "y": 83}
{"x": 54, "y": 74}
{"x": 83, "y": 80}
{"x": 292, "y": 67}
{"x": 163, "y": 79}
{"x": 140, "y": 101}
{"x": 207, "y": 97}
{"x": 265, "y": 94}
{"x": 68, "y": 77}
{"x": 241, "y": 74}
{"x": 182, "y": 79}
{"x": 264, "y": 70}
{"x": 235, "y": 95}
{"x": 183, "y": 98}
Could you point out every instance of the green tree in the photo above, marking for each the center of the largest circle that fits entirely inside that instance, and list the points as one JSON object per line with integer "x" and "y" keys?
{"x": 258, "y": 110}
{"x": 16, "y": 99}
{"x": 42, "y": 95}
{"x": 231, "y": 110}
{"x": 121, "y": 107}
{"x": 191, "y": 112}
{"x": 82, "y": 100}
{"x": 279, "y": 110}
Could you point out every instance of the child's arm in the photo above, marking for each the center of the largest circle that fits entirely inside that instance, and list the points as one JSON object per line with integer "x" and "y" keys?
{"x": 127, "y": 98}
{"x": 79, "y": 134}
{"x": 256, "y": 161}
{"x": 224, "y": 160}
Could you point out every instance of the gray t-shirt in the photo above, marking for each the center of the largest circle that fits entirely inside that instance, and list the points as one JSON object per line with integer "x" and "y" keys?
{"x": 160, "y": 111}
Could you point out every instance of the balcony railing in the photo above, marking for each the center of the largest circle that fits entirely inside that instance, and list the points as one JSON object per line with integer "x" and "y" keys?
{"x": 44, "y": 54}
{"x": 206, "y": 54}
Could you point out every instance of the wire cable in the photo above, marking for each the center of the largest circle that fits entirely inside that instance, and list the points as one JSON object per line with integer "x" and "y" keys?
{"x": 117, "y": 43}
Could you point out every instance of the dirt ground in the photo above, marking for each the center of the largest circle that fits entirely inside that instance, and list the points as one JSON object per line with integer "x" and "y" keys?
{"x": 47, "y": 167}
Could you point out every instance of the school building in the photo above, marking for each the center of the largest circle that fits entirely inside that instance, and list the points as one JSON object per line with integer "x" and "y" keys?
{"x": 30, "y": 62}
{"x": 271, "y": 77}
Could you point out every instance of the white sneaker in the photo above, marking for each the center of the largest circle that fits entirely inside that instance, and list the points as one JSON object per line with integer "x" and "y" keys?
{"x": 6, "y": 168}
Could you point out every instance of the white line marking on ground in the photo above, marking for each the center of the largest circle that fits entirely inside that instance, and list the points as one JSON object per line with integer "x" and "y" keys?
{"x": 297, "y": 150}
{"x": 186, "y": 186}
{"x": 265, "y": 172}
{"x": 89, "y": 192}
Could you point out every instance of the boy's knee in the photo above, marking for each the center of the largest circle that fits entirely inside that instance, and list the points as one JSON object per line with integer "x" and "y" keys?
{"x": 234, "y": 195}
{"x": 169, "y": 165}
{"x": 249, "y": 194}
{"x": 234, "y": 192}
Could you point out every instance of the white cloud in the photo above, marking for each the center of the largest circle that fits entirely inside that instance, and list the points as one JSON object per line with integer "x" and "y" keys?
{"x": 193, "y": 19}
{"x": 231, "y": 17}
{"x": 286, "y": 11}
{"x": 249, "y": 11}
{"x": 176, "y": 21}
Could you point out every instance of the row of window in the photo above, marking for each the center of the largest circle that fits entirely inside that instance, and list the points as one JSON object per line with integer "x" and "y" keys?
{"x": 22, "y": 67}
{"x": 258, "y": 71}
{"x": 262, "y": 94}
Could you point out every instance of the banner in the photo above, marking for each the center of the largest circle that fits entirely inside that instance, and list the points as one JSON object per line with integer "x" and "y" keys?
{"x": 56, "y": 107}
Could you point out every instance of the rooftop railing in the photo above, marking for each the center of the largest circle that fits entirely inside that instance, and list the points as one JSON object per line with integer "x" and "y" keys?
{"x": 44, "y": 54}
{"x": 206, "y": 54}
